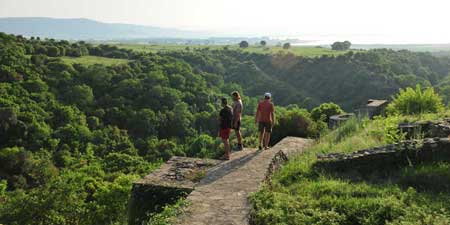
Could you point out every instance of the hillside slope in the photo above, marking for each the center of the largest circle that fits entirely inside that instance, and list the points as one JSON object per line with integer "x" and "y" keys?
{"x": 85, "y": 29}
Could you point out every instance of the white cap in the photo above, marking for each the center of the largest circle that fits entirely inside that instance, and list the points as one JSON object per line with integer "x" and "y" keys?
{"x": 267, "y": 94}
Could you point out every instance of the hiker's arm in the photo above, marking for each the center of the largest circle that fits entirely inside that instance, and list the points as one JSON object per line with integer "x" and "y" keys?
{"x": 257, "y": 116}
{"x": 272, "y": 115}
{"x": 219, "y": 119}
{"x": 237, "y": 115}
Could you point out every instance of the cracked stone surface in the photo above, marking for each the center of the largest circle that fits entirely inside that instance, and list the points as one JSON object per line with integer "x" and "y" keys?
{"x": 221, "y": 198}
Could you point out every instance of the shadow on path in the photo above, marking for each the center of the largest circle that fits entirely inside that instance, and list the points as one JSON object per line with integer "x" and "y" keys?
{"x": 227, "y": 167}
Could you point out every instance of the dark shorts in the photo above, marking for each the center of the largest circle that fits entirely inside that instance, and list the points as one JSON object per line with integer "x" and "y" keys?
{"x": 225, "y": 133}
{"x": 265, "y": 126}
{"x": 238, "y": 126}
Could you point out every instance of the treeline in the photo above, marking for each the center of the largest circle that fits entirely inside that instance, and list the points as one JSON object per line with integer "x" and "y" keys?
{"x": 348, "y": 80}
{"x": 56, "y": 48}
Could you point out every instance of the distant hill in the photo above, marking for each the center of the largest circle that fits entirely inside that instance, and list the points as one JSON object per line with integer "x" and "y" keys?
{"x": 86, "y": 29}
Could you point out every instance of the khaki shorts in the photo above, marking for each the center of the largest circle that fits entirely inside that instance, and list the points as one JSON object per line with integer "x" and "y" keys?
{"x": 265, "y": 126}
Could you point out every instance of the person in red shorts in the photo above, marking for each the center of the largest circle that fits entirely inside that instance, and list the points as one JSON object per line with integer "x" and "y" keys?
{"x": 265, "y": 118}
{"x": 225, "y": 119}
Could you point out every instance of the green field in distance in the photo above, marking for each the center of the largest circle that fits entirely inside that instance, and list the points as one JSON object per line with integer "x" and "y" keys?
{"x": 307, "y": 51}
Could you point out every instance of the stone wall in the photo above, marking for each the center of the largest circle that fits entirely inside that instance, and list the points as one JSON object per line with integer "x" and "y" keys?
{"x": 174, "y": 180}
{"x": 428, "y": 129}
{"x": 387, "y": 157}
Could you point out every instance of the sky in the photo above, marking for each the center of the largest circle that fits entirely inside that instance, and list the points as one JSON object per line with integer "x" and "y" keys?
{"x": 404, "y": 21}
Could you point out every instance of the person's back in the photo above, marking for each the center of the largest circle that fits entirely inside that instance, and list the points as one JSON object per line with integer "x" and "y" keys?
{"x": 265, "y": 109}
{"x": 226, "y": 117}
{"x": 226, "y": 120}
{"x": 265, "y": 118}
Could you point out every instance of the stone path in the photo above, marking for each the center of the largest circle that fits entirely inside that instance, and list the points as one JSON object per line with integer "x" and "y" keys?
{"x": 221, "y": 198}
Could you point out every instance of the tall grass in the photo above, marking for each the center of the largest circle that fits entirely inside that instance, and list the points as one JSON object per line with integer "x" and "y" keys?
{"x": 298, "y": 194}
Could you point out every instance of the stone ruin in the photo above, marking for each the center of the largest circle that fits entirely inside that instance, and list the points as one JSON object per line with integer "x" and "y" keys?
{"x": 435, "y": 147}
{"x": 428, "y": 129}
{"x": 174, "y": 180}
{"x": 401, "y": 154}
{"x": 376, "y": 107}
{"x": 336, "y": 120}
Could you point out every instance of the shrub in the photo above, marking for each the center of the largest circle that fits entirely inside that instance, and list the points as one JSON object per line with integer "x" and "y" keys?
{"x": 324, "y": 111}
{"x": 243, "y": 44}
{"x": 418, "y": 101}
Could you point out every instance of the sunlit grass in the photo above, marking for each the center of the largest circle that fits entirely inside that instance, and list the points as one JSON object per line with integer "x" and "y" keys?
{"x": 91, "y": 60}
{"x": 307, "y": 51}
{"x": 299, "y": 194}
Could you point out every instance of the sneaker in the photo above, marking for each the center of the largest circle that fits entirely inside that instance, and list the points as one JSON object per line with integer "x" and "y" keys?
{"x": 260, "y": 148}
{"x": 240, "y": 147}
{"x": 225, "y": 157}
{"x": 266, "y": 148}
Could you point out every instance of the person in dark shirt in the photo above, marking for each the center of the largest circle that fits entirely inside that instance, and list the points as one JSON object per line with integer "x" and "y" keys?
{"x": 226, "y": 119}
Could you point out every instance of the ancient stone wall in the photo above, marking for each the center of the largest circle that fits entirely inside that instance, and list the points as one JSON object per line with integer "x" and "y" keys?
{"x": 387, "y": 157}
{"x": 428, "y": 129}
{"x": 174, "y": 180}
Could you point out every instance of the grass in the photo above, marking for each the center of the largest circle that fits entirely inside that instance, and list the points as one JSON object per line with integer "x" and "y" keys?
{"x": 91, "y": 60}
{"x": 298, "y": 194}
{"x": 297, "y": 50}
{"x": 168, "y": 215}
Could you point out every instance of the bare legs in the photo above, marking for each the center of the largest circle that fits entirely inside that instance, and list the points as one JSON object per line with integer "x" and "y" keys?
{"x": 264, "y": 139}
{"x": 239, "y": 137}
{"x": 226, "y": 144}
{"x": 261, "y": 136}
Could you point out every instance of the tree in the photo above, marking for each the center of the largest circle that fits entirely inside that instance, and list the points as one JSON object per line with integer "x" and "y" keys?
{"x": 324, "y": 111}
{"x": 243, "y": 44}
{"x": 341, "y": 46}
{"x": 286, "y": 45}
{"x": 263, "y": 43}
{"x": 80, "y": 95}
{"x": 418, "y": 101}
{"x": 52, "y": 51}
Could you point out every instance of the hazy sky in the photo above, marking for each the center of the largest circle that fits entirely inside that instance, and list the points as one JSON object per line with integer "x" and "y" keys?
{"x": 411, "y": 19}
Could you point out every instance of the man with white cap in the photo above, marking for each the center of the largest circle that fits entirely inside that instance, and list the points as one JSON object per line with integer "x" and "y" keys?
{"x": 265, "y": 118}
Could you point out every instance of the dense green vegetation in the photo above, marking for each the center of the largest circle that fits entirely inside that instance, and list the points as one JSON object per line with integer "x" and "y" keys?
{"x": 80, "y": 122}
{"x": 74, "y": 134}
{"x": 348, "y": 80}
{"x": 302, "y": 194}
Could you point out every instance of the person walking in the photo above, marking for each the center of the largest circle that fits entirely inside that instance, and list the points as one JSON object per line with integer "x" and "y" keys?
{"x": 237, "y": 114}
{"x": 225, "y": 120}
{"x": 265, "y": 117}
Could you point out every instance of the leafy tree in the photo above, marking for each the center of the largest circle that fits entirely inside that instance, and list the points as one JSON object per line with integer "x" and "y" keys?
{"x": 80, "y": 95}
{"x": 52, "y": 51}
{"x": 324, "y": 111}
{"x": 341, "y": 46}
{"x": 243, "y": 44}
{"x": 416, "y": 101}
{"x": 286, "y": 45}
{"x": 263, "y": 43}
